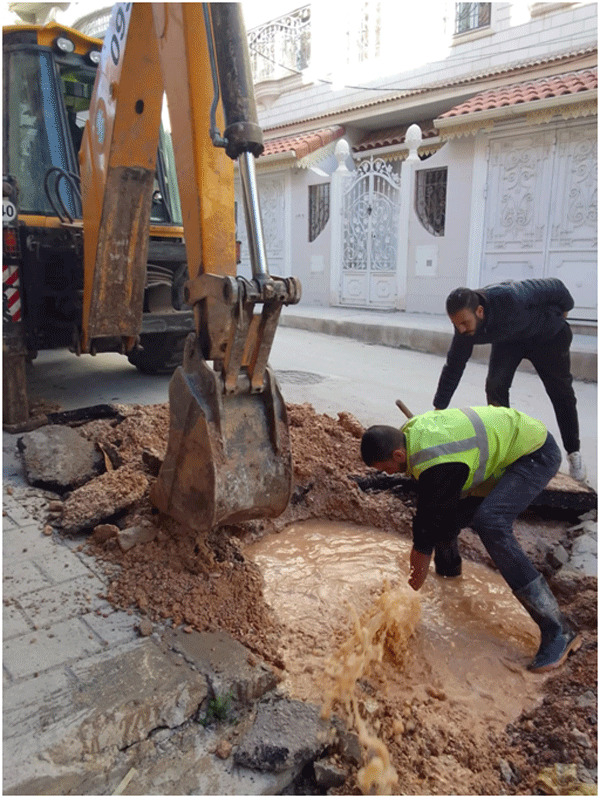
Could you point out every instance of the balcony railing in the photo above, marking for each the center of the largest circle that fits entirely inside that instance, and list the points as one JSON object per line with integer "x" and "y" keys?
{"x": 281, "y": 46}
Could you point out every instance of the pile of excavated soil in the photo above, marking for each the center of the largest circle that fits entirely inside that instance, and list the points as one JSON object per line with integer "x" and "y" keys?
{"x": 206, "y": 582}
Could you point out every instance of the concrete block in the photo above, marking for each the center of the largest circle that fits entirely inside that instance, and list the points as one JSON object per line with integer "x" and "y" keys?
{"x": 59, "y": 458}
{"x": 122, "y": 697}
{"x": 41, "y": 650}
{"x": 230, "y": 667}
{"x": 286, "y": 734}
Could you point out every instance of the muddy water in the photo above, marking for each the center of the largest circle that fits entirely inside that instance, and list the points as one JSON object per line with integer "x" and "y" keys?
{"x": 470, "y": 637}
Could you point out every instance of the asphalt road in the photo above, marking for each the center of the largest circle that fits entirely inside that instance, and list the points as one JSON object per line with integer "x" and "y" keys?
{"x": 332, "y": 373}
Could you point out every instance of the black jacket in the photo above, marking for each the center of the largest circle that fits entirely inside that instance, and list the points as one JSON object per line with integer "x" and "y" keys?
{"x": 513, "y": 311}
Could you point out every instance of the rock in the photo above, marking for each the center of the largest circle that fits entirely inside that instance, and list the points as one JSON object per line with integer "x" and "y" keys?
{"x": 580, "y": 738}
{"x": 328, "y": 774}
{"x": 286, "y": 734}
{"x": 584, "y": 555}
{"x": 587, "y": 700}
{"x": 349, "y": 747}
{"x": 145, "y": 628}
{"x": 135, "y": 535}
{"x": 562, "y": 779}
{"x": 152, "y": 460}
{"x": 104, "y": 532}
{"x": 506, "y": 771}
{"x": 59, "y": 458}
{"x": 558, "y": 556}
{"x": 223, "y": 750}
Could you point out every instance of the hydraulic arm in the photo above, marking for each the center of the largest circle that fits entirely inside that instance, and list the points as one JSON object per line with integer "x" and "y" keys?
{"x": 228, "y": 457}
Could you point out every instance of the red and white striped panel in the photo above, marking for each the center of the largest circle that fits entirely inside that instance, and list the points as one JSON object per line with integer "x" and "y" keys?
{"x": 11, "y": 289}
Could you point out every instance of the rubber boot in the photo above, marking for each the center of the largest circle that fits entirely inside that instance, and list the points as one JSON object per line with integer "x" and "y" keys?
{"x": 447, "y": 559}
{"x": 558, "y": 636}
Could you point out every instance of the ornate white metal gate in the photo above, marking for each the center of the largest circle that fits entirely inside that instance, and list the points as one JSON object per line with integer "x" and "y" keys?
{"x": 541, "y": 211}
{"x": 370, "y": 236}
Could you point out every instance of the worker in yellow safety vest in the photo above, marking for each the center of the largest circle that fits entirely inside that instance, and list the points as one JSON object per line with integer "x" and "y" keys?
{"x": 478, "y": 467}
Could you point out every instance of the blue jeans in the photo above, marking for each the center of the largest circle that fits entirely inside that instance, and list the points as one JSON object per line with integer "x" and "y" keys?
{"x": 493, "y": 518}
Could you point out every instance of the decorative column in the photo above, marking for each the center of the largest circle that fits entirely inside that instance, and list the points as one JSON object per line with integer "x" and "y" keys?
{"x": 340, "y": 180}
{"x": 413, "y": 140}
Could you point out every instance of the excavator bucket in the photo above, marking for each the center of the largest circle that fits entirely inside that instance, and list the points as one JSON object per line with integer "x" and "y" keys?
{"x": 228, "y": 456}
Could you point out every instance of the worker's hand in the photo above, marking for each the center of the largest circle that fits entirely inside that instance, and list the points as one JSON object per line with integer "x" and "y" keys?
{"x": 419, "y": 566}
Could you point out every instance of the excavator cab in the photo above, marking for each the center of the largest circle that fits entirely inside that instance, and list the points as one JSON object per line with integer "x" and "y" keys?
{"x": 228, "y": 456}
{"x": 49, "y": 74}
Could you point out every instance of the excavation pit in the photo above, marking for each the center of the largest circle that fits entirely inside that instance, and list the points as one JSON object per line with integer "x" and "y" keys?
{"x": 454, "y": 707}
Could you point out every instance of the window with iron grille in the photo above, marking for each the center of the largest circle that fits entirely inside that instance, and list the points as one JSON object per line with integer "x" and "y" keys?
{"x": 430, "y": 199}
{"x": 318, "y": 209}
{"x": 471, "y": 16}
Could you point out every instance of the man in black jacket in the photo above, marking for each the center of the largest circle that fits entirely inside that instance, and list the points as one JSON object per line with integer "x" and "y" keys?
{"x": 525, "y": 319}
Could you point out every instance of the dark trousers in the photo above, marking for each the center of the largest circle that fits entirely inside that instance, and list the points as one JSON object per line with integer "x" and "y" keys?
{"x": 492, "y": 518}
{"x": 552, "y": 361}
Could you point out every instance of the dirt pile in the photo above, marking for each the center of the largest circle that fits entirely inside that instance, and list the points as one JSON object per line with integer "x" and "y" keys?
{"x": 208, "y": 583}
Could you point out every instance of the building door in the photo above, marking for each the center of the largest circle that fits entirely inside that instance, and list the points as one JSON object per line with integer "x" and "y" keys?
{"x": 541, "y": 211}
{"x": 370, "y": 236}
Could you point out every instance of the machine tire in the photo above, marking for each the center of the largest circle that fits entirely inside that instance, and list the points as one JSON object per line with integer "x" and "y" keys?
{"x": 161, "y": 353}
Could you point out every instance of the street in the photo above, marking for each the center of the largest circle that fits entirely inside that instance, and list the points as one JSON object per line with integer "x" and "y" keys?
{"x": 329, "y": 372}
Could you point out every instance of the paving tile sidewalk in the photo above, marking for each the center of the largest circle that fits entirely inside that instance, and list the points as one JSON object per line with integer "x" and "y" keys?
{"x": 89, "y": 704}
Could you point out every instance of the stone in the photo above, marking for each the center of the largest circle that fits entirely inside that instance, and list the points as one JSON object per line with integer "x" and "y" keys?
{"x": 558, "y": 556}
{"x": 223, "y": 750}
{"x": 104, "y": 532}
{"x": 349, "y": 747}
{"x": 584, "y": 555}
{"x": 587, "y": 700}
{"x": 581, "y": 738}
{"x": 152, "y": 460}
{"x": 145, "y": 627}
{"x": 135, "y": 535}
{"x": 328, "y": 774}
{"x": 59, "y": 458}
{"x": 286, "y": 734}
{"x": 506, "y": 771}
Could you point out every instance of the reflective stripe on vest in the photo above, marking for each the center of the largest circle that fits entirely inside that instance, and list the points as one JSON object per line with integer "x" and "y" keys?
{"x": 479, "y": 441}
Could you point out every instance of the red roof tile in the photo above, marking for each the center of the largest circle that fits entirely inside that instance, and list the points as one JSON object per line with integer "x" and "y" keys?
{"x": 392, "y": 135}
{"x": 304, "y": 143}
{"x": 556, "y": 86}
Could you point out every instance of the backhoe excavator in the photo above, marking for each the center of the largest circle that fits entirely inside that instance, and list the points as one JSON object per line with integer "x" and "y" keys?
{"x": 228, "y": 455}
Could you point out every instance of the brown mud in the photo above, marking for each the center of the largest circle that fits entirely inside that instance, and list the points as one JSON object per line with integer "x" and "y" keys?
{"x": 210, "y": 582}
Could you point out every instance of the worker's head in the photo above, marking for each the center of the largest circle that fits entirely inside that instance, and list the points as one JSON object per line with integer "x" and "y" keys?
{"x": 384, "y": 448}
{"x": 466, "y": 312}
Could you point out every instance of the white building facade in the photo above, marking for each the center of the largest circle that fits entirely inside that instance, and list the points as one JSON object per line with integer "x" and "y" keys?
{"x": 412, "y": 150}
